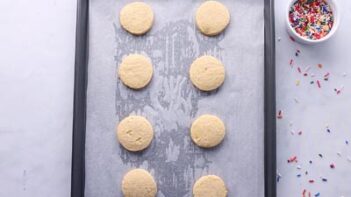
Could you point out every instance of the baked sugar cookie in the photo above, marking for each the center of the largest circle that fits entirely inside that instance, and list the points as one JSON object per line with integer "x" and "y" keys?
{"x": 135, "y": 71}
{"x": 210, "y": 186}
{"x": 137, "y": 18}
{"x": 207, "y": 73}
{"x": 207, "y": 131}
{"x": 212, "y": 18}
{"x": 138, "y": 183}
{"x": 135, "y": 133}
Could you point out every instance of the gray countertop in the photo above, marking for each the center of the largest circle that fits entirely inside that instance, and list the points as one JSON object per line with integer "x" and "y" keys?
{"x": 36, "y": 84}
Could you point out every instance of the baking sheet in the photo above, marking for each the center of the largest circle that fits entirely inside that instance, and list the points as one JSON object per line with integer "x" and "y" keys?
{"x": 171, "y": 103}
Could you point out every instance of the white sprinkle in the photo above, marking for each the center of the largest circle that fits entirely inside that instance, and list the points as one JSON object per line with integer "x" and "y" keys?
{"x": 312, "y": 75}
{"x": 279, "y": 39}
{"x": 298, "y": 167}
{"x": 344, "y": 74}
{"x": 342, "y": 87}
{"x": 296, "y": 101}
{"x": 339, "y": 154}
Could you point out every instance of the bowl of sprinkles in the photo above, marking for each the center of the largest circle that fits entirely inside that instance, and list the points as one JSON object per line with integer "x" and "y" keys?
{"x": 312, "y": 21}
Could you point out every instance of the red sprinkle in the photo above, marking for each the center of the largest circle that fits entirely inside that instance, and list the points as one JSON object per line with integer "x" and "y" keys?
{"x": 332, "y": 166}
{"x": 292, "y": 39}
{"x": 300, "y": 133}
{"x": 320, "y": 66}
{"x": 319, "y": 84}
{"x": 292, "y": 159}
{"x": 280, "y": 114}
{"x": 311, "y": 181}
{"x": 299, "y": 69}
{"x": 291, "y": 62}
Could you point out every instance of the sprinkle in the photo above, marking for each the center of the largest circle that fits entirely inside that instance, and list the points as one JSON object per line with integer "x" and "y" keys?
{"x": 299, "y": 69}
{"x": 311, "y": 181}
{"x": 319, "y": 84}
{"x": 324, "y": 179}
{"x": 338, "y": 91}
{"x": 298, "y": 176}
{"x": 326, "y": 76}
{"x": 320, "y": 65}
{"x": 344, "y": 74}
{"x": 312, "y": 75}
{"x": 279, "y": 39}
{"x": 300, "y": 133}
{"x": 328, "y": 130}
{"x": 291, "y": 62}
{"x": 310, "y": 161}
{"x": 292, "y": 132}
{"x": 292, "y": 159}
{"x": 332, "y": 166}
{"x": 279, "y": 176}
{"x": 303, "y": 192}
{"x": 346, "y": 142}
{"x": 297, "y": 82}
{"x": 290, "y": 124}
{"x": 317, "y": 194}
{"x": 339, "y": 154}
{"x": 298, "y": 167}
{"x": 312, "y": 82}
{"x": 320, "y": 155}
{"x": 306, "y": 173}
{"x": 297, "y": 52}
{"x": 280, "y": 114}
{"x": 296, "y": 101}
{"x": 292, "y": 39}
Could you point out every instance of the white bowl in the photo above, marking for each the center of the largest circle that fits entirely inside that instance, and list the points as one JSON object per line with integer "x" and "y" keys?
{"x": 301, "y": 39}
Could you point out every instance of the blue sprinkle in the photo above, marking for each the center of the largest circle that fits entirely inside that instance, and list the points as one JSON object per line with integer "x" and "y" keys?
{"x": 324, "y": 179}
{"x": 317, "y": 194}
{"x": 299, "y": 175}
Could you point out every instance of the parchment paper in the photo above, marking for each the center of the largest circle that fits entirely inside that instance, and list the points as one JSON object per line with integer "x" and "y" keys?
{"x": 171, "y": 102}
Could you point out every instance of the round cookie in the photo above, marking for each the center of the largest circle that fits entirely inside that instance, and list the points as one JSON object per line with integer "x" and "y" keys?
{"x": 207, "y": 131}
{"x": 212, "y": 18}
{"x": 138, "y": 183}
{"x": 135, "y": 133}
{"x": 135, "y": 71}
{"x": 210, "y": 186}
{"x": 207, "y": 73}
{"x": 136, "y": 18}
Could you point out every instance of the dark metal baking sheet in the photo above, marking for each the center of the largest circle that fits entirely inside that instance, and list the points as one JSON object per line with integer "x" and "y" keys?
{"x": 78, "y": 159}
